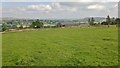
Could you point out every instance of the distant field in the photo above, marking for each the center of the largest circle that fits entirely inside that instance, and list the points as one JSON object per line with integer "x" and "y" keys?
{"x": 61, "y": 47}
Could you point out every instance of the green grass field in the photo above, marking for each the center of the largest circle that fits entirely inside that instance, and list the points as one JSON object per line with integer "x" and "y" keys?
{"x": 61, "y": 47}
{"x": 0, "y": 49}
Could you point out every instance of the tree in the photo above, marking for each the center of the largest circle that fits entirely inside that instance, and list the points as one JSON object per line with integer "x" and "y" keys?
{"x": 91, "y": 22}
{"x": 4, "y": 28}
{"x": 59, "y": 25}
{"x": 21, "y": 27}
{"x": 98, "y": 23}
{"x": 104, "y": 23}
{"x": 113, "y": 21}
{"x": 117, "y": 21}
{"x": 37, "y": 24}
{"x": 108, "y": 20}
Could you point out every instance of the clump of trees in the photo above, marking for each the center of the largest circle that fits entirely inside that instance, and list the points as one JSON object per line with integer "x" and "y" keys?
{"x": 104, "y": 23}
{"x": 21, "y": 27}
{"x": 117, "y": 21}
{"x": 4, "y": 27}
{"x": 108, "y": 20}
{"x": 59, "y": 25}
{"x": 111, "y": 21}
{"x": 91, "y": 21}
{"x": 37, "y": 24}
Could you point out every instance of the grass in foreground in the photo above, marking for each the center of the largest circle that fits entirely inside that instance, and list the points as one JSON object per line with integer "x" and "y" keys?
{"x": 61, "y": 47}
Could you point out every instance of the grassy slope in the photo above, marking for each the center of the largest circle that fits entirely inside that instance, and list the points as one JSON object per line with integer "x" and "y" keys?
{"x": 68, "y": 46}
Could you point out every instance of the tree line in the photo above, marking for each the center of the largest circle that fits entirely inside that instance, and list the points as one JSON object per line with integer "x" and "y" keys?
{"x": 35, "y": 24}
{"x": 40, "y": 24}
{"x": 109, "y": 21}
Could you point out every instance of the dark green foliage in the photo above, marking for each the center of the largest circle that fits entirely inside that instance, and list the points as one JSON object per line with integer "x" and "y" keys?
{"x": 4, "y": 28}
{"x": 117, "y": 21}
{"x": 91, "y": 22}
{"x": 37, "y": 24}
{"x": 108, "y": 21}
{"x": 112, "y": 21}
{"x": 59, "y": 25}
{"x": 104, "y": 23}
{"x": 21, "y": 27}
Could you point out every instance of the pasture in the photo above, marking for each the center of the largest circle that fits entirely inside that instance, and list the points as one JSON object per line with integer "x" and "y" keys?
{"x": 61, "y": 47}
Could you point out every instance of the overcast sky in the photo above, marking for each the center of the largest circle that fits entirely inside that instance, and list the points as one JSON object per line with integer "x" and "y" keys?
{"x": 56, "y": 9}
{"x": 60, "y": 0}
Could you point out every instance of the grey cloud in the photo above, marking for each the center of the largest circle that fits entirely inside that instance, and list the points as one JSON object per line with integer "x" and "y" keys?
{"x": 51, "y": 7}
{"x": 64, "y": 10}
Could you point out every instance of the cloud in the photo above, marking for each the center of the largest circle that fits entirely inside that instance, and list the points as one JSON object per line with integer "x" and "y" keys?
{"x": 85, "y": 0}
{"x": 40, "y": 7}
{"x": 56, "y": 5}
{"x": 69, "y": 9}
{"x": 60, "y": 9}
{"x": 96, "y": 7}
{"x": 48, "y": 8}
{"x": 116, "y": 5}
{"x": 60, "y": 0}
{"x": 91, "y": 0}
